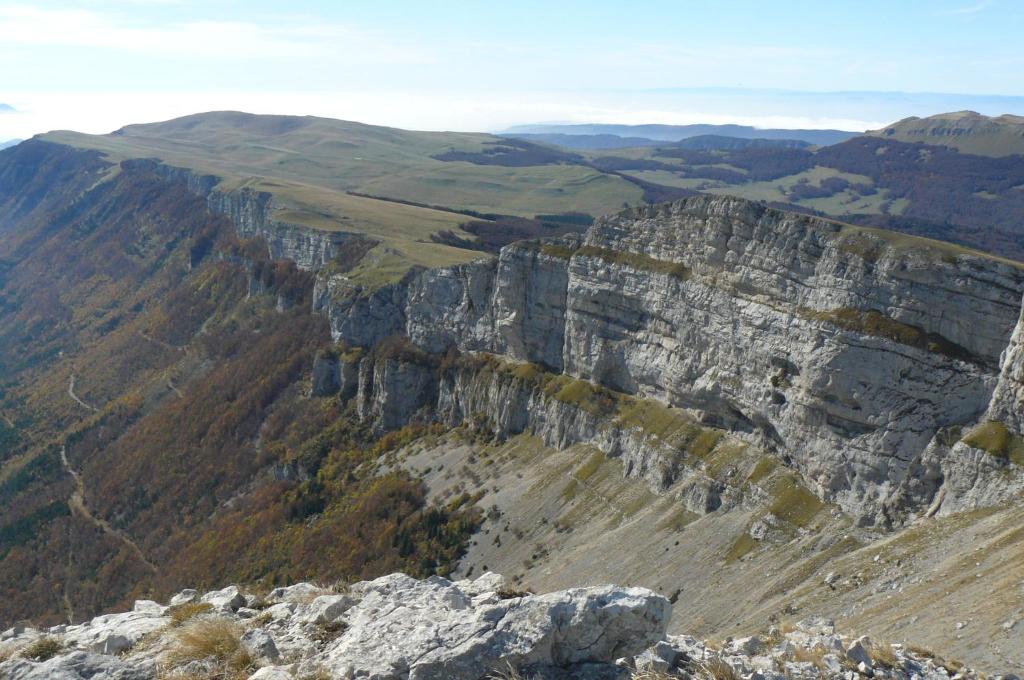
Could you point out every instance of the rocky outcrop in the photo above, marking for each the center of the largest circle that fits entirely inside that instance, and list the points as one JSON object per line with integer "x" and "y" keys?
{"x": 326, "y": 375}
{"x": 392, "y": 628}
{"x": 393, "y": 389}
{"x": 252, "y": 213}
{"x": 436, "y": 630}
{"x": 1008, "y": 401}
{"x": 400, "y": 628}
{"x": 844, "y": 350}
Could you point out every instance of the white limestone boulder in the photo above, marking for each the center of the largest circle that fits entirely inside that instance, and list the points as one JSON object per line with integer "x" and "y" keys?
{"x": 430, "y": 630}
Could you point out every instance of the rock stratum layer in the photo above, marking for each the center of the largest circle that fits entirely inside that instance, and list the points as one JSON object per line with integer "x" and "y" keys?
{"x": 852, "y": 354}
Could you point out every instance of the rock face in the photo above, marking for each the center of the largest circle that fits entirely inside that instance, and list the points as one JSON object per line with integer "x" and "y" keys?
{"x": 849, "y": 353}
{"x": 399, "y": 628}
{"x": 1008, "y": 401}
{"x": 326, "y": 375}
{"x": 252, "y": 213}
{"x": 843, "y": 350}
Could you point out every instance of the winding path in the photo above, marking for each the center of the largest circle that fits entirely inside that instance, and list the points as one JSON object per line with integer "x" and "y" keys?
{"x": 166, "y": 345}
{"x": 71, "y": 393}
{"x": 77, "y": 504}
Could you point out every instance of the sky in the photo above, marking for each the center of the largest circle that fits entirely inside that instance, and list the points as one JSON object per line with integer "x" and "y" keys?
{"x": 96, "y": 65}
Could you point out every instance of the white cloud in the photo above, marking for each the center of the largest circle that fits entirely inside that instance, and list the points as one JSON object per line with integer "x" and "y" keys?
{"x": 968, "y": 9}
{"x": 24, "y": 25}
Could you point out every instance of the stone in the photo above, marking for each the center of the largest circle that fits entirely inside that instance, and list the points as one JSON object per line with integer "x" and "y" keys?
{"x": 185, "y": 597}
{"x": 832, "y": 663}
{"x": 326, "y": 608}
{"x": 149, "y": 607}
{"x": 660, "y": 658}
{"x": 747, "y": 646}
{"x": 429, "y": 630}
{"x": 858, "y": 653}
{"x": 260, "y": 644}
{"x": 75, "y": 666}
{"x": 114, "y": 633}
{"x": 297, "y": 593}
{"x": 12, "y": 632}
{"x": 272, "y": 673}
{"x": 281, "y": 610}
{"x": 226, "y": 599}
{"x": 114, "y": 644}
{"x": 486, "y": 583}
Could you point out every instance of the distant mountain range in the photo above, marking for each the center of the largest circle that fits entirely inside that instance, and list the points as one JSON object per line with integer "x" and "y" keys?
{"x": 7, "y": 108}
{"x": 702, "y": 142}
{"x": 9, "y": 142}
{"x": 652, "y": 135}
{"x": 966, "y": 131}
{"x": 586, "y": 142}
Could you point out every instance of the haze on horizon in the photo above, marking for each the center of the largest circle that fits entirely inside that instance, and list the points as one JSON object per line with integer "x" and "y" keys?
{"x": 96, "y": 65}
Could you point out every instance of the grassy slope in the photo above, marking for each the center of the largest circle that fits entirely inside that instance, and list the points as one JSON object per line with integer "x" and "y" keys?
{"x": 964, "y": 130}
{"x": 342, "y": 156}
{"x": 310, "y": 164}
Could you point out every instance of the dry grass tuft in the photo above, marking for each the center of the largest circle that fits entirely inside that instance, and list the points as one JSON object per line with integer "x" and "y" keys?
{"x": 510, "y": 593}
{"x": 214, "y": 640}
{"x": 651, "y": 675}
{"x": 180, "y": 613}
{"x": 42, "y": 649}
{"x": 509, "y": 672}
{"x": 716, "y": 669}
{"x": 884, "y": 655}
{"x": 813, "y": 656}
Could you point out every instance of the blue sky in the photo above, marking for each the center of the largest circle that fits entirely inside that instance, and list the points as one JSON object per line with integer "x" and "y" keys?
{"x": 98, "y": 64}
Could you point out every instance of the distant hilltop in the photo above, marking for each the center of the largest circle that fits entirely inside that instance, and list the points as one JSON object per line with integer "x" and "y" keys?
{"x": 966, "y": 131}
{"x": 603, "y": 135}
{"x": 7, "y": 108}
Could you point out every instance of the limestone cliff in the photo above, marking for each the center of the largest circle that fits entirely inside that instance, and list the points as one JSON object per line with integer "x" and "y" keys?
{"x": 252, "y": 213}
{"x": 1008, "y": 401}
{"x": 845, "y": 351}
{"x": 854, "y": 355}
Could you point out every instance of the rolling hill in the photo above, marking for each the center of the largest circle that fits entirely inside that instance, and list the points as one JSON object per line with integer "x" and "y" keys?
{"x": 418, "y": 190}
{"x": 966, "y": 131}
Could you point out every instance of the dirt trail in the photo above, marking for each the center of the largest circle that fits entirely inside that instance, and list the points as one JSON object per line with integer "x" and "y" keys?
{"x": 77, "y": 504}
{"x": 165, "y": 345}
{"x": 173, "y": 388}
{"x": 71, "y": 393}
